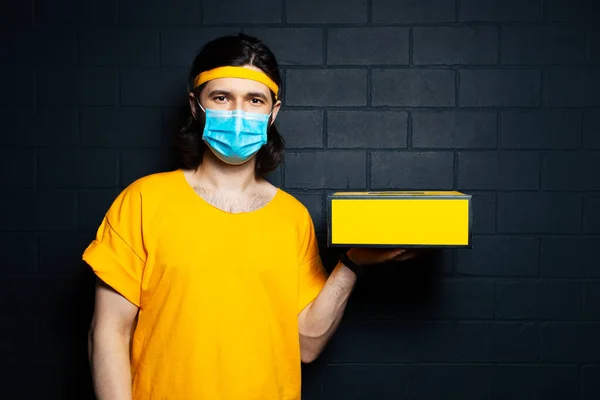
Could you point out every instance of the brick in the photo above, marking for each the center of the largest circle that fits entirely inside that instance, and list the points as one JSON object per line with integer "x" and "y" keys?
{"x": 292, "y": 46}
{"x": 121, "y": 127}
{"x": 24, "y": 175}
{"x": 356, "y": 382}
{"x": 17, "y": 338}
{"x": 570, "y": 342}
{"x": 371, "y": 129}
{"x": 176, "y": 50}
{"x": 83, "y": 86}
{"x": 471, "y": 299}
{"x": 394, "y": 341}
{"x": 19, "y": 253}
{"x": 86, "y": 168}
{"x": 571, "y": 171}
{"x": 61, "y": 253}
{"x": 454, "y": 129}
{"x": 314, "y": 203}
{"x": 591, "y": 214}
{"x": 537, "y": 45}
{"x": 275, "y": 178}
{"x": 488, "y": 257}
{"x": 558, "y": 262}
{"x": 593, "y": 45}
{"x": 20, "y": 202}
{"x": 326, "y": 87}
{"x": 326, "y": 11}
{"x": 64, "y": 12}
{"x": 591, "y": 382}
{"x": 500, "y": 10}
{"x": 413, "y": 12}
{"x": 483, "y": 213}
{"x": 539, "y": 212}
{"x": 16, "y": 13}
{"x": 499, "y": 88}
{"x": 413, "y": 87}
{"x": 241, "y": 12}
{"x": 20, "y": 296}
{"x": 591, "y": 129}
{"x": 536, "y": 382}
{"x": 556, "y": 129}
{"x": 412, "y": 170}
{"x": 466, "y": 382}
{"x": 367, "y": 46}
{"x": 156, "y": 12}
{"x": 93, "y": 205}
{"x": 168, "y": 87}
{"x": 499, "y": 170}
{"x": 40, "y": 47}
{"x": 301, "y": 128}
{"x": 591, "y": 300}
{"x": 569, "y": 10}
{"x": 572, "y": 87}
{"x": 119, "y": 47}
{"x": 18, "y": 90}
{"x": 455, "y": 45}
{"x": 141, "y": 162}
{"x": 548, "y": 300}
{"x": 48, "y": 127}
{"x": 326, "y": 169}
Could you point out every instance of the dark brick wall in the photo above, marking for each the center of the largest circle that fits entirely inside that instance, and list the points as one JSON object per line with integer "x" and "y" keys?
{"x": 496, "y": 98}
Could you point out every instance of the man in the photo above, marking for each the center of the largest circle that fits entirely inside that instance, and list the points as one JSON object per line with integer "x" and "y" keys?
{"x": 210, "y": 283}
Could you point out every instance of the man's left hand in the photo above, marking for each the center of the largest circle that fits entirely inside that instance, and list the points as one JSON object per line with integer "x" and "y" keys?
{"x": 368, "y": 256}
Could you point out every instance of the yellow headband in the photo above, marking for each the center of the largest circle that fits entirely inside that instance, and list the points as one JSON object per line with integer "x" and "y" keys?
{"x": 236, "y": 72}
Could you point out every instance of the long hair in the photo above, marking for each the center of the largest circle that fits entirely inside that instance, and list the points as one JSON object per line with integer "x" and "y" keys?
{"x": 234, "y": 51}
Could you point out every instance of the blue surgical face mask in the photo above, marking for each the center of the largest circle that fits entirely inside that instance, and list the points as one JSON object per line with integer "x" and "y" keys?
{"x": 235, "y": 136}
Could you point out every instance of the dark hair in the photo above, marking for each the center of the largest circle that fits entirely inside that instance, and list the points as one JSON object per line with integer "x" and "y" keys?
{"x": 234, "y": 51}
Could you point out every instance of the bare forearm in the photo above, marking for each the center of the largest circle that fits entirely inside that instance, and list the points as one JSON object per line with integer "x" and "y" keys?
{"x": 323, "y": 316}
{"x": 110, "y": 365}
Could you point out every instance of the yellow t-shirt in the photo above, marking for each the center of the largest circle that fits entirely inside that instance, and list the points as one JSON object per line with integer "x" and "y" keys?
{"x": 219, "y": 293}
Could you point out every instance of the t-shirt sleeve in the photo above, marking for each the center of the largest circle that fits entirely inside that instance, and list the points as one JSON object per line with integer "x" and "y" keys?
{"x": 117, "y": 254}
{"x": 311, "y": 275}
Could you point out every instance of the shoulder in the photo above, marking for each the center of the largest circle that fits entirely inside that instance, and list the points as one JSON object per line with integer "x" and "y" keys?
{"x": 293, "y": 209}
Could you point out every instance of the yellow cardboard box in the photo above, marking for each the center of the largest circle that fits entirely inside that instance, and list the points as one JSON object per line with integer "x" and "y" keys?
{"x": 399, "y": 219}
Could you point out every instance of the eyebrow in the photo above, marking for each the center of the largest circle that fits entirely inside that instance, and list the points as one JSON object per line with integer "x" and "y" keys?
{"x": 219, "y": 92}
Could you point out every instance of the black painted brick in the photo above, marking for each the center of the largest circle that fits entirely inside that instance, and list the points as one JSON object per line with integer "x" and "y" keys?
{"x": 292, "y": 46}
{"x": 19, "y": 253}
{"x": 326, "y": 11}
{"x": 17, "y": 167}
{"x": 326, "y": 87}
{"x": 154, "y": 87}
{"x": 539, "y": 212}
{"x": 454, "y": 129}
{"x": 314, "y": 203}
{"x": 301, "y": 128}
{"x": 121, "y": 127}
{"x": 591, "y": 214}
{"x": 483, "y": 213}
{"x": 157, "y": 12}
{"x": 40, "y": 47}
{"x": 571, "y": 171}
{"x": 500, "y": 10}
{"x": 493, "y": 170}
{"x": 413, "y": 12}
{"x": 371, "y": 129}
{"x": 326, "y": 169}
{"x": 499, "y": 88}
{"x": 455, "y": 45}
{"x": 413, "y": 87}
{"x": 93, "y": 204}
{"x": 546, "y": 300}
{"x": 412, "y": 170}
{"x": 136, "y": 163}
{"x": 18, "y": 87}
{"x": 572, "y": 10}
{"x": 367, "y": 46}
{"x": 570, "y": 342}
{"x": 489, "y": 257}
{"x": 591, "y": 300}
{"x": 536, "y": 382}
{"x": 542, "y": 45}
{"x": 558, "y": 260}
{"x": 67, "y": 12}
{"x": 591, "y": 129}
{"x": 90, "y": 168}
{"x": 77, "y": 86}
{"x": 122, "y": 47}
{"x": 180, "y": 45}
{"x": 556, "y": 129}
{"x": 591, "y": 382}
{"x": 572, "y": 87}
{"x": 61, "y": 253}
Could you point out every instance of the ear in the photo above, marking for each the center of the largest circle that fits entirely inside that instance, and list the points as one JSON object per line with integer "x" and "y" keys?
{"x": 275, "y": 111}
{"x": 193, "y": 104}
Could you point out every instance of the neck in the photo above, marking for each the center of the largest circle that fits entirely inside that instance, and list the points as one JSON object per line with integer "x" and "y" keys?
{"x": 214, "y": 174}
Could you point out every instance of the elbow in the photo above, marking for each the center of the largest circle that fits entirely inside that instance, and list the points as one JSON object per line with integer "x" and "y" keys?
{"x": 307, "y": 359}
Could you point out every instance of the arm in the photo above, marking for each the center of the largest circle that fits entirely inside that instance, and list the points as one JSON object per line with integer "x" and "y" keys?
{"x": 108, "y": 344}
{"x": 321, "y": 318}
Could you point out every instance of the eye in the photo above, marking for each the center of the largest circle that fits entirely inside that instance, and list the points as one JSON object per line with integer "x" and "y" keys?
{"x": 220, "y": 99}
{"x": 257, "y": 101}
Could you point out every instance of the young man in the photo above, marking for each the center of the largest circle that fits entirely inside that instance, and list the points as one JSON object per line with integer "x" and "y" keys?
{"x": 210, "y": 283}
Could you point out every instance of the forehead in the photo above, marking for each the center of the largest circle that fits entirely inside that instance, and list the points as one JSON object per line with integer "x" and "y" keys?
{"x": 237, "y": 86}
